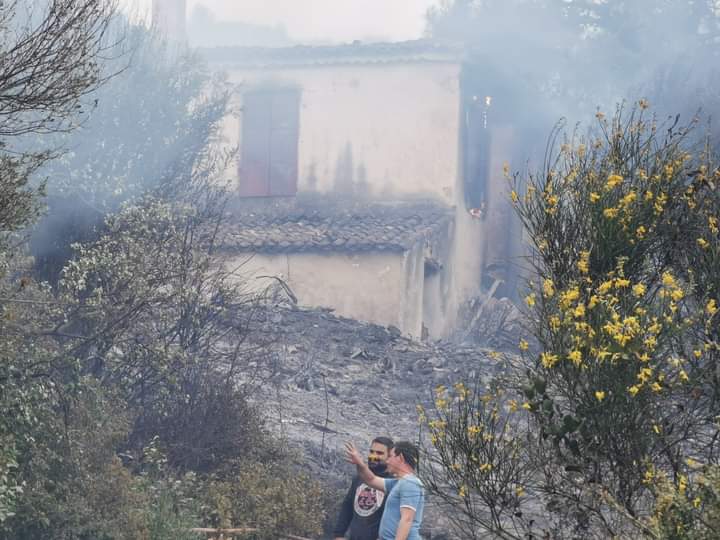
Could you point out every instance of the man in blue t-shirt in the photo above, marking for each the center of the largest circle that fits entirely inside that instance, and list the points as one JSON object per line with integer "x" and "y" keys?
{"x": 405, "y": 494}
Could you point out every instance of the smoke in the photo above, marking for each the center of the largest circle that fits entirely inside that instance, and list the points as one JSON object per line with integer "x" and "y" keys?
{"x": 547, "y": 59}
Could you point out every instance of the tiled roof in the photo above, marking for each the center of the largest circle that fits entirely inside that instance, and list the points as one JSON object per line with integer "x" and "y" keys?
{"x": 420, "y": 50}
{"x": 388, "y": 227}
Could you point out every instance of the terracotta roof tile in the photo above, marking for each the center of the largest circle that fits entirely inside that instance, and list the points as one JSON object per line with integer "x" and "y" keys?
{"x": 420, "y": 50}
{"x": 298, "y": 227}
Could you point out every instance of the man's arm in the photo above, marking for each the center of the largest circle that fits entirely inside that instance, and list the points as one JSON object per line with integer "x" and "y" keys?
{"x": 364, "y": 472}
{"x": 346, "y": 514}
{"x": 407, "y": 515}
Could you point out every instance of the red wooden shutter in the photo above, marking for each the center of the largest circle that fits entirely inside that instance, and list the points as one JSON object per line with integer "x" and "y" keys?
{"x": 269, "y": 153}
{"x": 284, "y": 134}
{"x": 255, "y": 157}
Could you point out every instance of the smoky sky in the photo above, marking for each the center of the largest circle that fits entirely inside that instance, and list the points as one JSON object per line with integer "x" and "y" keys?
{"x": 321, "y": 20}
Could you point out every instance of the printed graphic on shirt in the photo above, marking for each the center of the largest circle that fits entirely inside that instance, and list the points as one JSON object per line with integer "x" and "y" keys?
{"x": 367, "y": 500}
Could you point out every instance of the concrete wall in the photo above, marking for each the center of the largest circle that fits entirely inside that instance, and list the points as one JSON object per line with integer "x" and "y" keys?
{"x": 381, "y": 130}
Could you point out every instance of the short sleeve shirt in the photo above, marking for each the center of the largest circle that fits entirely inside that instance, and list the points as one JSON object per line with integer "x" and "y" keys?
{"x": 406, "y": 492}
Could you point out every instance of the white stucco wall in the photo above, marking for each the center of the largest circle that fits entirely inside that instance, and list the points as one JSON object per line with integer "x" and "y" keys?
{"x": 384, "y": 288}
{"x": 388, "y": 129}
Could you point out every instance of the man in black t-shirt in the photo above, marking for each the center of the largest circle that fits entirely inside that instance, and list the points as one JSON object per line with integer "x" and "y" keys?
{"x": 363, "y": 506}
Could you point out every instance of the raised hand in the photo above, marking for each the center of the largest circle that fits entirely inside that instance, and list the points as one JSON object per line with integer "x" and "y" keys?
{"x": 352, "y": 455}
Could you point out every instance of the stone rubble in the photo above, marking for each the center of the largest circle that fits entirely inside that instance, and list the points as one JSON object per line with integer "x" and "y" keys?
{"x": 338, "y": 379}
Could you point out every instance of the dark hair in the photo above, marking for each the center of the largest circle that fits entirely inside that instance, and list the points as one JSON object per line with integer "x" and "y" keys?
{"x": 409, "y": 452}
{"x": 387, "y": 442}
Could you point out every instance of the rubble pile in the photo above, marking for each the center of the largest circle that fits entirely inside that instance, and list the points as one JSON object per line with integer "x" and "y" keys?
{"x": 493, "y": 322}
{"x": 335, "y": 379}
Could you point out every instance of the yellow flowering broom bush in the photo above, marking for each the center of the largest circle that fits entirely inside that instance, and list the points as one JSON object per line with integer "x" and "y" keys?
{"x": 479, "y": 466}
{"x": 607, "y": 423}
{"x": 621, "y": 230}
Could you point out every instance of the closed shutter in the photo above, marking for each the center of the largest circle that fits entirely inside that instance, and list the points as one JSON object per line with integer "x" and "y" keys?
{"x": 269, "y": 154}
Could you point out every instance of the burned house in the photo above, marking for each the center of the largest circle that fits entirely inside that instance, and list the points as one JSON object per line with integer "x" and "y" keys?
{"x": 355, "y": 182}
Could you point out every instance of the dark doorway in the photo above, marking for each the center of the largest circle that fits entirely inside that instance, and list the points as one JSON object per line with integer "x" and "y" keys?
{"x": 269, "y": 149}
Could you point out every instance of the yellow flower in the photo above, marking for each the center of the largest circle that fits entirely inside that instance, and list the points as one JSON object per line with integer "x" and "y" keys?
{"x": 644, "y": 375}
{"x": 605, "y": 286}
{"x": 640, "y": 232}
{"x": 697, "y": 353}
{"x": 711, "y": 307}
{"x": 512, "y": 405}
{"x": 655, "y": 327}
{"x": 485, "y": 467}
{"x": 519, "y": 492}
{"x": 602, "y": 354}
{"x": 696, "y": 502}
{"x": 548, "y": 360}
{"x": 583, "y": 263}
{"x": 668, "y": 280}
{"x": 474, "y": 430}
{"x": 703, "y": 243}
{"x": 599, "y": 395}
{"x": 575, "y": 357}
{"x": 555, "y": 322}
{"x": 649, "y": 195}
{"x": 639, "y": 289}
{"x": 628, "y": 199}
{"x": 656, "y": 429}
{"x": 682, "y": 484}
{"x": 593, "y": 301}
{"x": 683, "y": 376}
{"x": 594, "y": 197}
{"x": 513, "y": 196}
{"x": 656, "y": 387}
{"x": 621, "y": 283}
{"x": 713, "y": 223}
{"x": 526, "y": 406}
{"x": 648, "y": 477}
{"x": 579, "y": 311}
{"x": 613, "y": 181}
{"x": 610, "y": 213}
{"x": 634, "y": 389}
{"x": 523, "y": 345}
{"x": 548, "y": 288}
{"x": 530, "y": 299}
{"x": 461, "y": 391}
{"x": 568, "y": 297}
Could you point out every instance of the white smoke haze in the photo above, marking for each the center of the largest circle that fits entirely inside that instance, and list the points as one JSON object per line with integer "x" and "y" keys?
{"x": 558, "y": 58}
{"x": 544, "y": 60}
{"x": 318, "y": 20}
